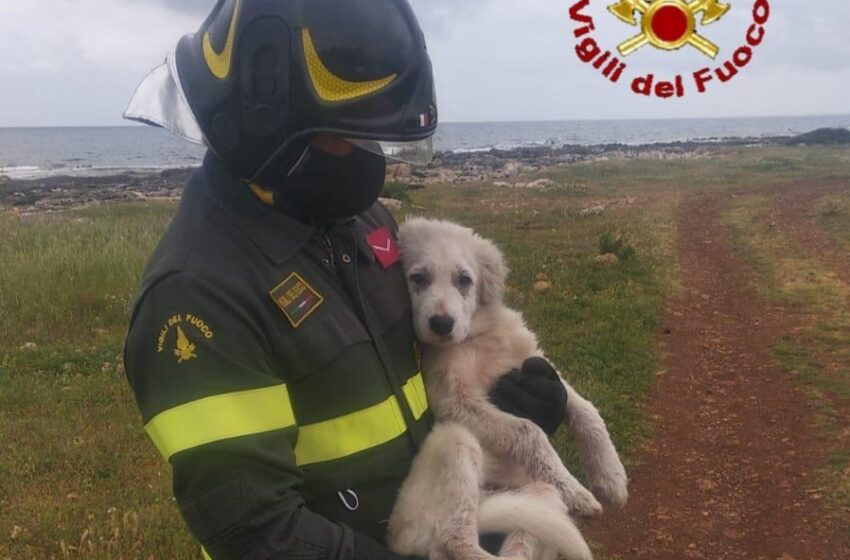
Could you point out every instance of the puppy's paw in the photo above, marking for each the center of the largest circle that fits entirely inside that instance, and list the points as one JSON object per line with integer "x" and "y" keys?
{"x": 612, "y": 486}
{"x": 582, "y": 503}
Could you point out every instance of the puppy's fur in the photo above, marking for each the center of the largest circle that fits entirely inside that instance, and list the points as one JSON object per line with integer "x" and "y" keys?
{"x": 469, "y": 338}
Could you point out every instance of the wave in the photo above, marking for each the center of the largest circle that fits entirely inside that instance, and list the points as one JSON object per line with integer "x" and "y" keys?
{"x": 33, "y": 172}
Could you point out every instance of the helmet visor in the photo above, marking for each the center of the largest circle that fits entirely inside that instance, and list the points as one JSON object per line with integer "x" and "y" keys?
{"x": 419, "y": 152}
{"x": 160, "y": 101}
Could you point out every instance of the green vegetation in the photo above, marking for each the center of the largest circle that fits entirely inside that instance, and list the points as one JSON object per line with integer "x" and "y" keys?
{"x": 79, "y": 479}
{"x": 834, "y": 216}
{"x": 618, "y": 245}
{"x": 397, "y": 191}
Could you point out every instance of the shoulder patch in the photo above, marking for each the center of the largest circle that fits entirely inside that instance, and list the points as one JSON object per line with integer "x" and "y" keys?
{"x": 186, "y": 327}
{"x": 297, "y": 299}
{"x": 384, "y": 246}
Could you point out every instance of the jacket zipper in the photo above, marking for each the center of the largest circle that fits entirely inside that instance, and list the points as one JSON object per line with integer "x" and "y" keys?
{"x": 329, "y": 247}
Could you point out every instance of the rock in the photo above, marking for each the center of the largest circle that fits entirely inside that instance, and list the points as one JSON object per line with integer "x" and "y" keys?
{"x": 511, "y": 169}
{"x": 706, "y": 485}
{"x": 542, "y": 286}
{"x": 593, "y": 211}
{"x": 541, "y": 277}
{"x": 29, "y": 347}
{"x": 822, "y": 137}
{"x": 391, "y": 203}
{"x": 541, "y": 184}
{"x": 399, "y": 171}
{"x": 502, "y": 185}
{"x": 609, "y": 259}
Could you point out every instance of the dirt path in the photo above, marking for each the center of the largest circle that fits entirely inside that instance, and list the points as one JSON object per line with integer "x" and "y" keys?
{"x": 730, "y": 473}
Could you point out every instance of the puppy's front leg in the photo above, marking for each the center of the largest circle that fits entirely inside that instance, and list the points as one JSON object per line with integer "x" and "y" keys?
{"x": 596, "y": 451}
{"x": 520, "y": 440}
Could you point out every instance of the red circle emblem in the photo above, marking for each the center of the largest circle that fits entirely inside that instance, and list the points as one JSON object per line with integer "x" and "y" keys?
{"x": 670, "y": 24}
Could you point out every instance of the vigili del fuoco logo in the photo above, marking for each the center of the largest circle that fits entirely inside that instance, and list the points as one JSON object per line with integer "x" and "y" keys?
{"x": 668, "y": 25}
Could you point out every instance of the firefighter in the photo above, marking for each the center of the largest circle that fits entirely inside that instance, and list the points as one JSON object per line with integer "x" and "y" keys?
{"x": 271, "y": 349}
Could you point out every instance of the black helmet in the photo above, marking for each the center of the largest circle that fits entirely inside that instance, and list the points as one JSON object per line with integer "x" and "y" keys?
{"x": 262, "y": 77}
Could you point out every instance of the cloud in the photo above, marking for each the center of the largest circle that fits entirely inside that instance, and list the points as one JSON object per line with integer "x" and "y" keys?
{"x": 81, "y": 34}
{"x": 494, "y": 59}
{"x": 440, "y": 17}
{"x": 193, "y": 7}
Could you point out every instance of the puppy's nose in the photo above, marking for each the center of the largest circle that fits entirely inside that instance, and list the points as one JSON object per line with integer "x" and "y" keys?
{"x": 442, "y": 324}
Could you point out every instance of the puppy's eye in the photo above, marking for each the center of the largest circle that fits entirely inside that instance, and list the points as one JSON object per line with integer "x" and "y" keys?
{"x": 418, "y": 278}
{"x": 465, "y": 280}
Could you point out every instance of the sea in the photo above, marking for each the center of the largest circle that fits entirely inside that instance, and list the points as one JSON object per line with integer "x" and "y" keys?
{"x": 31, "y": 153}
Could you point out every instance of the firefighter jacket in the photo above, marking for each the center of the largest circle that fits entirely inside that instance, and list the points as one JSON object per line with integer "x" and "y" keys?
{"x": 275, "y": 368}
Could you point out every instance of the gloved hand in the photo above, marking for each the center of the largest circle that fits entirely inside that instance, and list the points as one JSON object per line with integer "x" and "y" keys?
{"x": 535, "y": 393}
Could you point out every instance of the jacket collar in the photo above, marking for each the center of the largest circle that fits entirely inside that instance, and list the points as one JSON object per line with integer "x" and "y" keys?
{"x": 278, "y": 236}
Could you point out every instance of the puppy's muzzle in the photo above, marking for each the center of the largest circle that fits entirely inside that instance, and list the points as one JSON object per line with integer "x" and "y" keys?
{"x": 442, "y": 325}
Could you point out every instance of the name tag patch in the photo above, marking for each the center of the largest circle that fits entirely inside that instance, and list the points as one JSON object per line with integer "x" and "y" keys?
{"x": 384, "y": 246}
{"x": 297, "y": 299}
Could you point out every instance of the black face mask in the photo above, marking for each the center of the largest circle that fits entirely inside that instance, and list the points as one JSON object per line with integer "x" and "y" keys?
{"x": 328, "y": 188}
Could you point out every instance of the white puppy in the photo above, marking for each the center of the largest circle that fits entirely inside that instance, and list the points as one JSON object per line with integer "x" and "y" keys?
{"x": 469, "y": 338}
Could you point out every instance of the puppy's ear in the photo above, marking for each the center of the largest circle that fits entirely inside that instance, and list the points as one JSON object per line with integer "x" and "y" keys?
{"x": 492, "y": 271}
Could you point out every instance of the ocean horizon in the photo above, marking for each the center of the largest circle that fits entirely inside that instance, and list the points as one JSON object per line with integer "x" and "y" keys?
{"x": 37, "y": 152}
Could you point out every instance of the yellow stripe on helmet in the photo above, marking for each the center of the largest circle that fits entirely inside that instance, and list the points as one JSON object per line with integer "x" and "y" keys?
{"x": 221, "y": 63}
{"x": 332, "y": 88}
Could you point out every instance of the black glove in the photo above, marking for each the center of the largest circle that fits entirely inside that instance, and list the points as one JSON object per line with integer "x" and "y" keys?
{"x": 534, "y": 393}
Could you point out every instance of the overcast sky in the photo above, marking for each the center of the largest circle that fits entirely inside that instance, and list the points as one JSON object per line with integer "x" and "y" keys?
{"x": 77, "y": 62}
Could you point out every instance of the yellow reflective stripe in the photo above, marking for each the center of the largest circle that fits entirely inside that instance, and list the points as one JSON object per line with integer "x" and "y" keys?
{"x": 414, "y": 390}
{"x": 221, "y": 417}
{"x": 350, "y": 434}
{"x": 204, "y": 552}
{"x": 359, "y": 431}
{"x": 332, "y": 88}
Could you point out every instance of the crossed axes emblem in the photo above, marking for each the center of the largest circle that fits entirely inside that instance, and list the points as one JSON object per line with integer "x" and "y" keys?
{"x": 669, "y": 24}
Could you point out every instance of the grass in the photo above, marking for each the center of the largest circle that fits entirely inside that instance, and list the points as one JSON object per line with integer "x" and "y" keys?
{"x": 78, "y": 478}
{"x": 833, "y": 214}
{"x": 397, "y": 190}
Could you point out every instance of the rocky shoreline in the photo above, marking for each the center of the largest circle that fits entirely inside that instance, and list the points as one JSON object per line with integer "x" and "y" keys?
{"x": 503, "y": 167}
